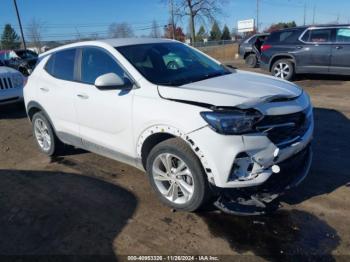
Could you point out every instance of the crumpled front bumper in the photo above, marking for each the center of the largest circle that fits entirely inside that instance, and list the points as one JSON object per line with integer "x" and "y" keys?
{"x": 262, "y": 199}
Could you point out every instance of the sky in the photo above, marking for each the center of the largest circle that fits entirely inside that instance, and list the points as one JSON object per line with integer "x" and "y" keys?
{"x": 68, "y": 19}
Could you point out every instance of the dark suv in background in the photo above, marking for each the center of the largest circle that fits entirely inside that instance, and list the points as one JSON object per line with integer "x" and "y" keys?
{"x": 315, "y": 49}
{"x": 249, "y": 49}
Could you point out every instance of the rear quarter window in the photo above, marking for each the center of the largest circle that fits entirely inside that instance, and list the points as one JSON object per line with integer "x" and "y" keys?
{"x": 61, "y": 64}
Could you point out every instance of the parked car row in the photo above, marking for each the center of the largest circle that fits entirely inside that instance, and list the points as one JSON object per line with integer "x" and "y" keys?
{"x": 308, "y": 49}
{"x": 15, "y": 67}
{"x": 22, "y": 60}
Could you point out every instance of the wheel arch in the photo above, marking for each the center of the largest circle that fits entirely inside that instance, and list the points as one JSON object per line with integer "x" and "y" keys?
{"x": 34, "y": 107}
{"x": 248, "y": 53}
{"x": 159, "y": 133}
{"x": 281, "y": 56}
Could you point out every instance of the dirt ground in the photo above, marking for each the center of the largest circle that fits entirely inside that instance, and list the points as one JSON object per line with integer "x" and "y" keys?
{"x": 82, "y": 204}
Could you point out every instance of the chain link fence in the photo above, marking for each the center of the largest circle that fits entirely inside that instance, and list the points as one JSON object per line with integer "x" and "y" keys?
{"x": 224, "y": 50}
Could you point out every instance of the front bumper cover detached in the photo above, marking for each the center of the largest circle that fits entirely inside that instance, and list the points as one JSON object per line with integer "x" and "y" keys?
{"x": 262, "y": 199}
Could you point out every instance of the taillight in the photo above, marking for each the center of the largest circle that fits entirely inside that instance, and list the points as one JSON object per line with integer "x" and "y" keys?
{"x": 265, "y": 47}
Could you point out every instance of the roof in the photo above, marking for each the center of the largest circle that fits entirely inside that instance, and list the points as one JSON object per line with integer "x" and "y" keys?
{"x": 114, "y": 42}
{"x": 303, "y": 27}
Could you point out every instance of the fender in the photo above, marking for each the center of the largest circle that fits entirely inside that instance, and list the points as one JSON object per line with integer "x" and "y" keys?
{"x": 177, "y": 133}
{"x": 282, "y": 55}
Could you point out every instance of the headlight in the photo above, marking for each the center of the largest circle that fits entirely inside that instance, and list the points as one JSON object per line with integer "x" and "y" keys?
{"x": 17, "y": 81}
{"x": 232, "y": 122}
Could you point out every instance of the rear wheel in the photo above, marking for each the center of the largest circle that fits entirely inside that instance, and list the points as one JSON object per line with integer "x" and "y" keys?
{"x": 251, "y": 60}
{"x": 283, "y": 69}
{"x": 44, "y": 135}
{"x": 177, "y": 176}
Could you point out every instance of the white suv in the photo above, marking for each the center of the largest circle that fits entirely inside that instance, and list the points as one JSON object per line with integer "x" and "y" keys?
{"x": 199, "y": 129}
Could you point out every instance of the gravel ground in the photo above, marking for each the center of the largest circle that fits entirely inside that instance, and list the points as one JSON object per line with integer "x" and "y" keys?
{"x": 83, "y": 204}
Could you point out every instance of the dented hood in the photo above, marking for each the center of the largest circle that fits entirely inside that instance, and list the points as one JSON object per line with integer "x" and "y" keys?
{"x": 240, "y": 88}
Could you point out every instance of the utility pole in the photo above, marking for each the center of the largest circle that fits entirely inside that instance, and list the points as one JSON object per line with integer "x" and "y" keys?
{"x": 257, "y": 16}
{"x": 20, "y": 24}
{"x": 305, "y": 13}
{"x": 172, "y": 18}
{"x": 313, "y": 15}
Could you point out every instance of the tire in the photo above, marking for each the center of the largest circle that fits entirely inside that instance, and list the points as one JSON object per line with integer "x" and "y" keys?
{"x": 180, "y": 154}
{"x": 43, "y": 129}
{"x": 284, "y": 69}
{"x": 251, "y": 61}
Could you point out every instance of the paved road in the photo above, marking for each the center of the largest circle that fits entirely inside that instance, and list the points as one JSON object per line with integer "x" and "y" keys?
{"x": 82, "y": 204}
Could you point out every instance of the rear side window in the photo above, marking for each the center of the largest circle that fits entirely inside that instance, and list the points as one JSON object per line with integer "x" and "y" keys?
{"x": 96, "y": 62}
{"x": 61, "y": 64}
{"x": 343, "y": 35}
{"x": 320, "y": 35}
{"x": 287, "y": 36}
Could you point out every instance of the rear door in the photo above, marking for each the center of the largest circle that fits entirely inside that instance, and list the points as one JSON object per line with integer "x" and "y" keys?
{"x": 56, "y": 94}
{"x": 314, "y": 55}
{"x": 340, "y": 60}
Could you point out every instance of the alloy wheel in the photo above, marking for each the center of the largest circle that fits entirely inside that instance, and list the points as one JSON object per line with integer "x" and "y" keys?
{"x": 42, "y": 134}
{"x": 282, "y": 70}
{"x": 173, "y": 178}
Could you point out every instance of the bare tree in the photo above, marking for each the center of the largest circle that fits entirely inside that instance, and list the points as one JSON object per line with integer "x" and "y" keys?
{"x": 120, "y": 30}
{"x": 155, "y": 32}
{"x": 203, "y": 9}
{"x": 34, "y": 31}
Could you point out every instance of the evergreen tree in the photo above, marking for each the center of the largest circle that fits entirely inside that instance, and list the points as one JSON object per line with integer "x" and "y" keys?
{"x": 201, "y": 34}
{"x": 9, "y": 38}
{"x": 226, "y": 33}
{"x": 215, "y": 33}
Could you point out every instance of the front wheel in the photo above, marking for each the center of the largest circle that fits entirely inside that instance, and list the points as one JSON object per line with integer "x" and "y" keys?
{"x": 176, "y": 175}
{"x": 283, "y": 69}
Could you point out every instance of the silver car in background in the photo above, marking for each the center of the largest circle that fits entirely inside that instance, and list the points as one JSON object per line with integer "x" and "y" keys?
{"x": 11, "y": 85}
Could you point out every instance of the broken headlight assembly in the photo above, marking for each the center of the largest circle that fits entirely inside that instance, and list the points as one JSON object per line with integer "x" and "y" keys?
{"x": 232, "y": 122}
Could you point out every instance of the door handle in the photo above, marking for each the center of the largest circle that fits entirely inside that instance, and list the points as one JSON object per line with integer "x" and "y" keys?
{"x": 338, "y": 47}
{"x": 299, "y": 47}
{"x": 83, "y": 96}
{"x": 44, "y": 89}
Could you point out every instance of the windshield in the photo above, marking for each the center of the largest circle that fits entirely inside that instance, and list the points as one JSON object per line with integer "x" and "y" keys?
{"x": 171, "y": 64}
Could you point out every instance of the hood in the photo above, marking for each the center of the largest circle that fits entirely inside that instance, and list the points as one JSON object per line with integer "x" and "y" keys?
{"x": 240, "y": 89}
{"x": 7, "y": 70}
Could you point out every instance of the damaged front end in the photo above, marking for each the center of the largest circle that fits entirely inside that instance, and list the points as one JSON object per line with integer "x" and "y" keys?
{"x": 263, "y": 198}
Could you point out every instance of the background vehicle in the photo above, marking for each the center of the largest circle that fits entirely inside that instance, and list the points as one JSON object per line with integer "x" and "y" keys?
{"x": 321, "y": 49}
{"x": 11, "y": 85}
{"x": 249, "y": 49}
{"x": 196, "y": 128}
{"x": 21, "y": 60}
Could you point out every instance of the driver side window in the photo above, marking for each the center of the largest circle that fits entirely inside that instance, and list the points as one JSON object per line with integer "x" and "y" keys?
{"x": 95, "y": 63}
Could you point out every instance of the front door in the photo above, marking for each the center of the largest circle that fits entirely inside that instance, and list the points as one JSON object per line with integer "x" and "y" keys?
{"x": 340, "y": 62}
{"x": 104, "y": 116}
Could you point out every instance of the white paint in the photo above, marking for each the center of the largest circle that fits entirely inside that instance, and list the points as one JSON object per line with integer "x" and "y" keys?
{"x": 123, "y": 121}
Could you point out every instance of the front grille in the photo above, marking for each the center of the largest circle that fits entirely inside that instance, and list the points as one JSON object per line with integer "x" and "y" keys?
{"x": 5, "y": 83}
{"x": 283, "y": 130}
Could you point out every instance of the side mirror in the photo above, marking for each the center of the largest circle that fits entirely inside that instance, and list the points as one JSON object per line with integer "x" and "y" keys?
{"x": 112, "y": 81}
